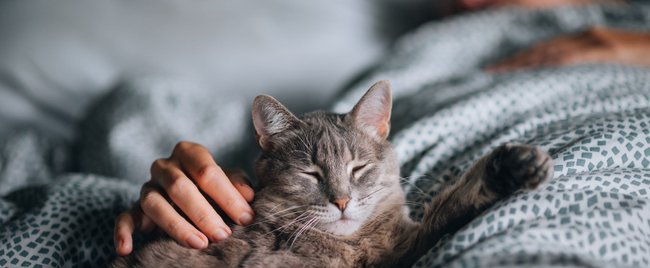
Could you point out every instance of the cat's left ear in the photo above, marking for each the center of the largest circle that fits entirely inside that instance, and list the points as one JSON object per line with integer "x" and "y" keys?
{"x": 372, "y": 112}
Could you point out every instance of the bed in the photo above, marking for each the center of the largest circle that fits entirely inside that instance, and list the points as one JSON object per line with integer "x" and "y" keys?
{"x": 593, "y": 119}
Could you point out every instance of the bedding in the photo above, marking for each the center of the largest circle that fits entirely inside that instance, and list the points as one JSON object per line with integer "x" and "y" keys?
{"x": 593, "y": 119}
{"x": 58, "y": 57}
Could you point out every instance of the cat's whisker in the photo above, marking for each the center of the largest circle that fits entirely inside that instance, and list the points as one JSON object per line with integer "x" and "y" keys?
{"x": 413, "y": 204}
{"x": 286, "y": 224}
{"x": 412, "y": 184}
{"x": 310, "y": 227}
{"x": 289, "y": 208}
{"x": 279, "y": 214}
{"x": 417, "y": 177}
{"x": 297, "y": 231}
{"x": 267, "y": 219}
{"x": 296, "y": 220}
{"x": 310, "y": 223}
{"x": 371, "y": 194}
{"x": 275, "y": 207}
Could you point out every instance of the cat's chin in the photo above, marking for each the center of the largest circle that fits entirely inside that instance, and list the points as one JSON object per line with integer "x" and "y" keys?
{"x": 342, "y": 227}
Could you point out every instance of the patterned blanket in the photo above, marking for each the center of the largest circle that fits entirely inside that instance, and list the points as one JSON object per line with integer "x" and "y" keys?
{"x": 594, "y": 120}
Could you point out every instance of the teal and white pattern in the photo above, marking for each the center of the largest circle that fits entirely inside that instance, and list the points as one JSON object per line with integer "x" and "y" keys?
{"x": 595, "y": 210}
{"x": 594, "y": 120}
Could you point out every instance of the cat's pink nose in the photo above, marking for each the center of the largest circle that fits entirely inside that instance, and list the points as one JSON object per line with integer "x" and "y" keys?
{"x": 341, "y": 202}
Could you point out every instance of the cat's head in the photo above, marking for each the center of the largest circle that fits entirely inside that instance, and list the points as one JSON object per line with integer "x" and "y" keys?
{"x": 328, "y": 171}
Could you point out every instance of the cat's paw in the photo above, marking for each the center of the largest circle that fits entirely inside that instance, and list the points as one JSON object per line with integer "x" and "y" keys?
{"x": 512, "y": 167}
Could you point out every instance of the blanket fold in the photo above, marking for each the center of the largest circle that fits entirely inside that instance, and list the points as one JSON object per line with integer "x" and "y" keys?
{"x": 593, "y": 119}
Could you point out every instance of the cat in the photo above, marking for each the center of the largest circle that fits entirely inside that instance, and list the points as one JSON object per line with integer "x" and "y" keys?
{"x": 330, "y": 194}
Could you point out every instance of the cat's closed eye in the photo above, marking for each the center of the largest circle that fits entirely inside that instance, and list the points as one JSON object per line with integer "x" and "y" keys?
{"x": 313, "y": 175}
{"x": 358, "y": 170}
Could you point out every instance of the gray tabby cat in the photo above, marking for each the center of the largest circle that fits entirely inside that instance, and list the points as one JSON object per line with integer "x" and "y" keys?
{"x": 331, "y": 197}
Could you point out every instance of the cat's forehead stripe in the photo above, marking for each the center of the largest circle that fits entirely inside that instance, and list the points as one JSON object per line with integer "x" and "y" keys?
{"x": 331, "y": 142}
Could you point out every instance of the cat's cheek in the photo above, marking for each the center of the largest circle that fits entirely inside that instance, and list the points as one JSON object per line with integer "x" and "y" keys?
{"x": 353, "y": 211}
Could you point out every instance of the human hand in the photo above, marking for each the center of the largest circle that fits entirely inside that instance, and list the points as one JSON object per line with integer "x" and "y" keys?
{"x": 178, "y": 181}
{"x": 597, "y": 45}
{"x": 530, "y": 4}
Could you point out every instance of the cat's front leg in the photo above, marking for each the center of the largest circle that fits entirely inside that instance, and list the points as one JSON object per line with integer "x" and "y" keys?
{"x": 507, "y": 169}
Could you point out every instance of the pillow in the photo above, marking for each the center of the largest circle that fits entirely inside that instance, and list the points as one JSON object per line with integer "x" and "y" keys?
{"x": 59, "y": 56}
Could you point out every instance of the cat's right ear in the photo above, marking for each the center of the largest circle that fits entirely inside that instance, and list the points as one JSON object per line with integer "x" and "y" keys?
{"x": 270, "y": 117}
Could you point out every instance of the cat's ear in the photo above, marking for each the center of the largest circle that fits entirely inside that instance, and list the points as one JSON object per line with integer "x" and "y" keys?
{"x": 372, "y": 112}
{"x": 270, "y": 117}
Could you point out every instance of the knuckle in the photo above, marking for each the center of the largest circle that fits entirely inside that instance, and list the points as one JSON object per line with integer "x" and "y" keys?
{"x": 238, "y": 175}
{"x": 231, "y": 203}
{"x": 178, "y": 186}
{"x": 203, "y": 218}
{"x": 183, "y": 146}
{"x": 147, "y": 187}
{"x": 157, "y": 164}
{"x": 148, "y": 201}
{"x": 204, "y": 173}
{"x": 175, "y": 227}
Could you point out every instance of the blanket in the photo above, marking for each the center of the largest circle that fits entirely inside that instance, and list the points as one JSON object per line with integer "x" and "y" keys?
{"x": 593, "y": 119}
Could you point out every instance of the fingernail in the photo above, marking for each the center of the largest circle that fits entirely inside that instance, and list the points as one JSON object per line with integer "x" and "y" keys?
{"x": 220, "y": 235}
{"x": 196, "y": 242}
{"x": 246, "y": 218}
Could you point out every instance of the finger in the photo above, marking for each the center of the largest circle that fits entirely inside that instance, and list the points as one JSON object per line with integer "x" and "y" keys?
{"x": 146, "y": 224}
{"x": 125, "y": 225}
{"x": 122, "y": 235}
{"x": 158, "y": 209}
{"x": 239, "y": 179}
{"x": 521, "y": 60}
{"x": 565, "y": 49}
{"x": 518, "y": 60}
{"x": 198, "y": 162}
{"x": 189, "y": 199}
{"x": 472, "y": 4}
{"x": 585, "y": 56}
{"x": 568, "y": 53}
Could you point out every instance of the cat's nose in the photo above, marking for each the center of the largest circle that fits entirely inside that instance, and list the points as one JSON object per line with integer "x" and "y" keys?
{"x": 341, "y": 202}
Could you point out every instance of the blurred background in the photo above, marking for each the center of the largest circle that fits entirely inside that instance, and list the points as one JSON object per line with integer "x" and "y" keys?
{"x": 57, "y": 57}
